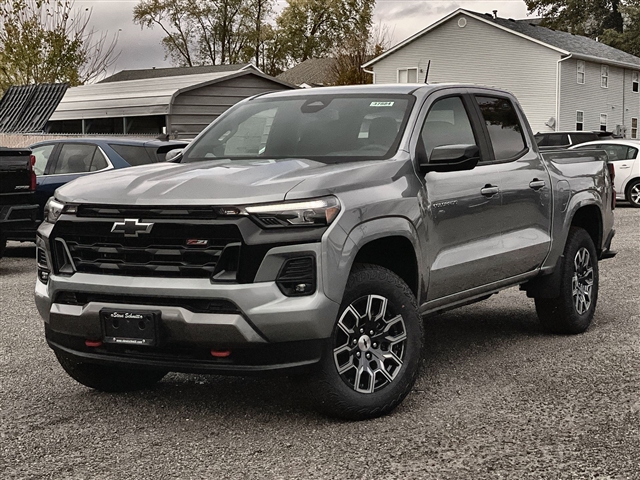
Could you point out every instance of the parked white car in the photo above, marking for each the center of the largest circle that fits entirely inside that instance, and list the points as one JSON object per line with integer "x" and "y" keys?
{"x": 625, "y": 157}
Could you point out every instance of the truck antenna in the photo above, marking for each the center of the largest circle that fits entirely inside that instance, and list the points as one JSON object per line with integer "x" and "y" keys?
{"x": 426, "y": 75}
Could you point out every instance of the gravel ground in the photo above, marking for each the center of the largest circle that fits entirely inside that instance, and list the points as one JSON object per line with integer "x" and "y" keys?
{"x": 496, "y": 399}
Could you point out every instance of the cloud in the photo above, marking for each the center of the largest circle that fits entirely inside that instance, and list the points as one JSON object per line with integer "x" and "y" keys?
{"x": 395, "y": 11}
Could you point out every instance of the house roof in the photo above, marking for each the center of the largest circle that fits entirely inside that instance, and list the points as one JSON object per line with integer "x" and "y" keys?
{"x": 149, "y": 96}
{"x": 27, "y": 108}
{"x": 126, "y": 75}
{"x": 562, "y": 42}
{"x": 313, "y": 71}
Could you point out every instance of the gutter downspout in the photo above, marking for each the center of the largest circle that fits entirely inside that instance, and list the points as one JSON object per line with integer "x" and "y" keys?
{"x": 558, "y": 84}
{"x": 371, "y": 72}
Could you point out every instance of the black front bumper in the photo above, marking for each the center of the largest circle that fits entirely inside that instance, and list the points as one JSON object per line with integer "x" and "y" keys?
{"x": 274, "y": 358}
{"x": 18, "y": 221}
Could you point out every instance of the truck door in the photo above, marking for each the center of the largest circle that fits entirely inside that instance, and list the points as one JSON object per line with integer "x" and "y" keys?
{"x": 462, "y": 208}
{"x": 524, "y": 183}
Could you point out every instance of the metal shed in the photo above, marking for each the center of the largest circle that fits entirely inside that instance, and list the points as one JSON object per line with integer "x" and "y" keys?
{"x": 181, "y": 106}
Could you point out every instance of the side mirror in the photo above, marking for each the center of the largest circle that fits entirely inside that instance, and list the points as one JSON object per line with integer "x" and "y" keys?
{"x": 173, "y": 154}
{"x": 452, "y": 158}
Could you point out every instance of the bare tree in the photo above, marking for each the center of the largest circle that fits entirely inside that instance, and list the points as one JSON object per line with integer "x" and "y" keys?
{"x": 46, "y": 41}
{"x": 355, "y": 52}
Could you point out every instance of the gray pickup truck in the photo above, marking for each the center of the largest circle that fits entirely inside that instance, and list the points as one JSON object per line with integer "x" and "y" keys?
{"x": 310, "y": 231}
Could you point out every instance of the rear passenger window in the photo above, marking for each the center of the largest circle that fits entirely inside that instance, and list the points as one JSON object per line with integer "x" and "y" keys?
{"x": 133, "y": 154}
{"x": 504, "y": 128}
{"x": 75, "y": 158}
{"x": 447, "y": 123}
{"x": 42, "y": 155}
{"x": 557, "y": 140}
{"x": 583, "y": 137}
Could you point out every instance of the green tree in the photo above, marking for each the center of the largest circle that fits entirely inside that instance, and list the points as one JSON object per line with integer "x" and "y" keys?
{"x": 628, "y": 39}
{"x": 590, "y": 18}
{"x": 207, "y": 32}
{"x": 46, "y": 41}
{"x": 313, "y": 28}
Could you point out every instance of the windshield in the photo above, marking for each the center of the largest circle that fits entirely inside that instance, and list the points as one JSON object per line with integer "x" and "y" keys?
{"x": 327, "y": 128}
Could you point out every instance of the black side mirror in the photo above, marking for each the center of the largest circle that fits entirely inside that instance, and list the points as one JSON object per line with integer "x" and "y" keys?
{"x": 451, "y": 158}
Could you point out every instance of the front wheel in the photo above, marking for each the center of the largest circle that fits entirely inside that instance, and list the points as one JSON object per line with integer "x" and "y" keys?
{"x": 573, "y": 309}
{"x": 375, "y": 351}
{"x": 107, "y": 378}
{"x": 633, "y": 193}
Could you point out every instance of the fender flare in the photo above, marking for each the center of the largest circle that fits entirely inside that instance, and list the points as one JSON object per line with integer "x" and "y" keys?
{"x": 359, "y": 236}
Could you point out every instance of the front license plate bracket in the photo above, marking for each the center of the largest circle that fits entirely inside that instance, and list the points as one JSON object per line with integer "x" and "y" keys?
{"x": 129, "y": 327}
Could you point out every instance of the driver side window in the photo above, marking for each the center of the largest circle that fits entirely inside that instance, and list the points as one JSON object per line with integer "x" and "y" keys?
{"x": 447, "y": 123}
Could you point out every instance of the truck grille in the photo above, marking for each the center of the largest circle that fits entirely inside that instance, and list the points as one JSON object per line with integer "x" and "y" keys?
{"x": 170, "y": 250}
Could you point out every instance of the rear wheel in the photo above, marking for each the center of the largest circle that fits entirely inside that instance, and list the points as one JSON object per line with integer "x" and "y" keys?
{"x": 107, "y": 378}
{"x": 573, "y": 309}
{"x": 633, "y": 193}
{"x": 375, "y": 351}
{"x": 3, "y": 245}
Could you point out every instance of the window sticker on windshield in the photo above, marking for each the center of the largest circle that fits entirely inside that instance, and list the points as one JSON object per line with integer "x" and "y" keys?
{"x": 381, "y": 104}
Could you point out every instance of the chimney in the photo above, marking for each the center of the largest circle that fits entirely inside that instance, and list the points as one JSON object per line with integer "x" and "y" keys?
{"x": 495, "y": 14}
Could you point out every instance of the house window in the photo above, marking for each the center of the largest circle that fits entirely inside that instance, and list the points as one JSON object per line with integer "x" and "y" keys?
{"x": 408, "y": 75}
{"x": 634, "y": 128}
{"x": 580, "y": 71}
{"x": 579, "y": 120}
{"x": 634, "y": 81}
{"x": 604, "y": 76}
{"x": 603, "y": 122}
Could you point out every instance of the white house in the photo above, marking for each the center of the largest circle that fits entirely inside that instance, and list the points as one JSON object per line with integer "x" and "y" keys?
{"x": 563, "y": 81}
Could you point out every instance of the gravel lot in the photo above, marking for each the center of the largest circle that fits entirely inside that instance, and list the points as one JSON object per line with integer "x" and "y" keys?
{"x": 496, "y": 399}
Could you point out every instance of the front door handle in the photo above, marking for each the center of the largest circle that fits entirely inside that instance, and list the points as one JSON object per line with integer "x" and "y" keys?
{"x": 536, "y": 184}
{"x": 489, "y": 190}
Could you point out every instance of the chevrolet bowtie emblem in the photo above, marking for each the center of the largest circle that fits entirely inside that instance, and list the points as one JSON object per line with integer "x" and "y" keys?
{"x": 131, "y": 227}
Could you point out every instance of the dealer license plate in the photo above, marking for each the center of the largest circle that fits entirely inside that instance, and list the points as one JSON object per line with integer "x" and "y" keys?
{"x": 129, "y": 327}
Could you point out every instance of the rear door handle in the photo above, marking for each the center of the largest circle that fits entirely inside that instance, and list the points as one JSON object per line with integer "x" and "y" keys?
{"x": 624, "y": 166}
{"x": 536, "y": 184}
{"x": 489, "y": 190}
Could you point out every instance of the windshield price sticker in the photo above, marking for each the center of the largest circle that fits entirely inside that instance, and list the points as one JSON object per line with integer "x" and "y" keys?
{"x": 381, "y": 104}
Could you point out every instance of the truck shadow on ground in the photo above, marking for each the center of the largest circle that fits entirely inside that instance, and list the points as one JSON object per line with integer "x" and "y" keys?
{"x": 20, "y": 250}
{"x": 454, "y": 337}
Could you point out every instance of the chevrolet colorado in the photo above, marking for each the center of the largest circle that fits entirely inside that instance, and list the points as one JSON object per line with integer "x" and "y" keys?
{"x": 309, "y": 231}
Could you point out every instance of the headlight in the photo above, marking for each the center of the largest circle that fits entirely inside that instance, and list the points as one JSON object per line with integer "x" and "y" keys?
{"x": 309, "y": 213}
{"x": 54, "y": 208}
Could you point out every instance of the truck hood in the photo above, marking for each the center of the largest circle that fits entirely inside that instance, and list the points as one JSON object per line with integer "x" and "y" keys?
{"x": 218, "y": 182}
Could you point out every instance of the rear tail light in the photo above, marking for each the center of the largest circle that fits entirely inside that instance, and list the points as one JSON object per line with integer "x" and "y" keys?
{"x": 32, "y": 186}
{"x": 612, "y": 174}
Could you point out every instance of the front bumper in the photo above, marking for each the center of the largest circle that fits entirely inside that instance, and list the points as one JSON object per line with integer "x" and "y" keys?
{"x": 265, "y": 330}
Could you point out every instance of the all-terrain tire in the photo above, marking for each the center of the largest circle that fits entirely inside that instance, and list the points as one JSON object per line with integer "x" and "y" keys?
{"x": 107, "y": 378}
{"x": 569, "y": 313}
{"x": 336, "y": 394}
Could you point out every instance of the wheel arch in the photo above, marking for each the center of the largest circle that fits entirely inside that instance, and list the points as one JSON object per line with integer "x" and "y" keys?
{"x": 383, "y": 242}
{"x": 589, "y": 218}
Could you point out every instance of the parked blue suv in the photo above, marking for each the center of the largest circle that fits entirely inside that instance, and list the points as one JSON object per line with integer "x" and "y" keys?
{"x": 60, "y": 161}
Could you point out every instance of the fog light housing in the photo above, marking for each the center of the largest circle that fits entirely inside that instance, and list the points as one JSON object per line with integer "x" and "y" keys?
{"x": 297, "y": 277}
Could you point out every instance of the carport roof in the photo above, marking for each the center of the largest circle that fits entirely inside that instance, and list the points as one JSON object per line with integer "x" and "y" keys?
{"x": 149, "y": 96}
{"x": 27, "y": 108}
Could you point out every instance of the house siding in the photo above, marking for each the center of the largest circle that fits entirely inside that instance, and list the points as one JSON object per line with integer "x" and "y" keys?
{"x": 193, "y": 110}
{"x": 485, "y": 55}
{"x": 616, "y": 101}
{"x": 631, "y": 101}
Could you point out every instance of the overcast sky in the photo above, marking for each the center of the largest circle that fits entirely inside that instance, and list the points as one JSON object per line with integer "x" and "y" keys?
{"x": 142, "y": 49}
